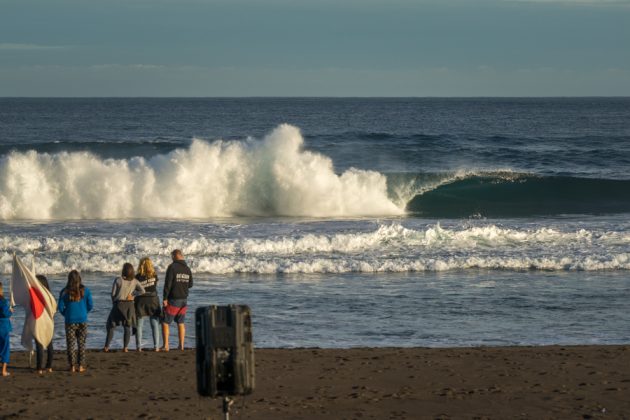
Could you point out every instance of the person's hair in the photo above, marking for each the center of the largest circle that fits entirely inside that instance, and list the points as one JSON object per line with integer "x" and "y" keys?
{"x": 74, "y": 288}
{"x": 43, "y": 280}
{"x": 176, "y": 254}
{"x": 127, "y": 271}
{"x": 145, "y": 268}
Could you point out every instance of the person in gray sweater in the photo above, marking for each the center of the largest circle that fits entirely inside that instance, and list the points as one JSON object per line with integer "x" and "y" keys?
{"x": 123, "y": 312}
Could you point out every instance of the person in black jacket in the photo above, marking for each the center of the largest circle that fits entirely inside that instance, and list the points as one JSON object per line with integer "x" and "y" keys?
{"x": 177, "y": 281}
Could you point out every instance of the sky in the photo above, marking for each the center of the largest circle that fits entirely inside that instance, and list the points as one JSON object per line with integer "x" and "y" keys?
{"x": 211, "y": 48}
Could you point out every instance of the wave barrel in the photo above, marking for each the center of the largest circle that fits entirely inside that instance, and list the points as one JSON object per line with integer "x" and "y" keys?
{"x": 523, "y": 196}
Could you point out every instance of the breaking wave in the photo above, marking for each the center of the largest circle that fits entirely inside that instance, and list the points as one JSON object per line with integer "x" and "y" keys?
{"x": 272, "y": 177}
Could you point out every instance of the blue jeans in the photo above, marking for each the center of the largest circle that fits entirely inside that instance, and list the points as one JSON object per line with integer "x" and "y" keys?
{"x": 155, "y": 329}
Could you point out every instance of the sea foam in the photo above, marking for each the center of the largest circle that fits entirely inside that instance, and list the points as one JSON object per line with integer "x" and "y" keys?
{"x": 388, "y": 247}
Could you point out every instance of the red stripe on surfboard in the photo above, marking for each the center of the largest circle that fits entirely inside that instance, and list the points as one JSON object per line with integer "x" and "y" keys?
{"x": 37, "y": 302}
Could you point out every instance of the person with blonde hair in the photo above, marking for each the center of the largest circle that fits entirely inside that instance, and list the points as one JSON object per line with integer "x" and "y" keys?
{"x": 5, "y": 331}
{"x": 148, "y": 303}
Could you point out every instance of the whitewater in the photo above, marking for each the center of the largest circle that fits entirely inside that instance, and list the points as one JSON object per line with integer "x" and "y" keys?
{"x": 277, "y": 176}
{"x": 337, "y": 247}
{"x": 272, "y": 177}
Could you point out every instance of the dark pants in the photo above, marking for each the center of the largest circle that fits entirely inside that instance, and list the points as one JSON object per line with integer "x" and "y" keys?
{"x": 75, "y": 338}
{"x": 110, "y": 335}
{"x": 40, "y": 355}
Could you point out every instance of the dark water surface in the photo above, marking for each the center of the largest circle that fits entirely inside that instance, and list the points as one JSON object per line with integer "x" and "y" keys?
{"x": 377, "y": 222}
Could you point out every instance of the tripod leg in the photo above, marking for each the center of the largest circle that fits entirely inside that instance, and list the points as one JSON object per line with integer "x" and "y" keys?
{"x": 227, "y": 402}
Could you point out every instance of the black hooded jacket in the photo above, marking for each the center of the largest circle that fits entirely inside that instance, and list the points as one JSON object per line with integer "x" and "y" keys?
{"x": 177, "y": 281}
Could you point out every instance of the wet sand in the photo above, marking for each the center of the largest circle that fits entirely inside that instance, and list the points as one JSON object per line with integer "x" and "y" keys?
{"x": 385, "y": 383}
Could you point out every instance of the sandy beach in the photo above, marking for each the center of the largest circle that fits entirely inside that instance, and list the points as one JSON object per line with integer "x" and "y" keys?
{"x": 384, "y": 383}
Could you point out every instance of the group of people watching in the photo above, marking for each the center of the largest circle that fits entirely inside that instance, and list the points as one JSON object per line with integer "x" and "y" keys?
{"x": 134, "y": 299}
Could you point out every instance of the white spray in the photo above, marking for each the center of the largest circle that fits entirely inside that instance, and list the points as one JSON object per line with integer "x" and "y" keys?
{"x": 272, "y": 177}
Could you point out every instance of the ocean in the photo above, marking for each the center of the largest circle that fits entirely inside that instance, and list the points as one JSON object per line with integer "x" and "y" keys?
{"x": 341, "y": 222}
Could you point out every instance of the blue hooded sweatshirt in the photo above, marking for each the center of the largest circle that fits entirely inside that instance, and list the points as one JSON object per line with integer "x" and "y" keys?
{"x": 75, "y": 312}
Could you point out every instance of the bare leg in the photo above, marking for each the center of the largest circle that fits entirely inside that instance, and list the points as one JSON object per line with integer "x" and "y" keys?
{"x": 181, "y": 330}
{"x": 165, "y": 333}
{"x": 4, "y": 370}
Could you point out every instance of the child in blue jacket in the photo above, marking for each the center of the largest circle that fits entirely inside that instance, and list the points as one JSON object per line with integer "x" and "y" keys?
{"x": 5, "y": 329}
{"x": 75, "y": 301}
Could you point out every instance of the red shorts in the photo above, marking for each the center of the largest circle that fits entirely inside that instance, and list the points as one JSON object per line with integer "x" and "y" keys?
{"x": 175, "y": 311}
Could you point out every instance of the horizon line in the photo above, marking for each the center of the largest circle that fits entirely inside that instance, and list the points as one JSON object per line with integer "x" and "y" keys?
{"x": 326, "y": 97}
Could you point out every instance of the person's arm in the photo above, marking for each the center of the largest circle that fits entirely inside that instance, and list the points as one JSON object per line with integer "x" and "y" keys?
{"x": 115, "y": 289}
{"x": 190, "y": 281}
{"x": 168, "y": 283}
{"x": 139, "y": 289}
{"x": 61, "y": 304}
{"x": 88, "y": 300}
{"x": 5, "y": 310}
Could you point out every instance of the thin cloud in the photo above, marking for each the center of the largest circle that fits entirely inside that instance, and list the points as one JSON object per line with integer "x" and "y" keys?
{"x": 7, "y": 46}
{"x": 579, "y": 2}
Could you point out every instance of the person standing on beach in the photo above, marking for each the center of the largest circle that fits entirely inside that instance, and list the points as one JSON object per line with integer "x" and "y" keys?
{"x": 148, "y": 304}
{"x": 75, "y": 301}
{"x": 38, "y": 347}
{"x": 177, "y": 281}
{"x": 123, "y": 311}
{"x": 5, "y": 329}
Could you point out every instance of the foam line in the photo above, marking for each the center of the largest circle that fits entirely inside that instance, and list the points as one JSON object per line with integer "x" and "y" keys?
{"x": 387, "y": 248}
